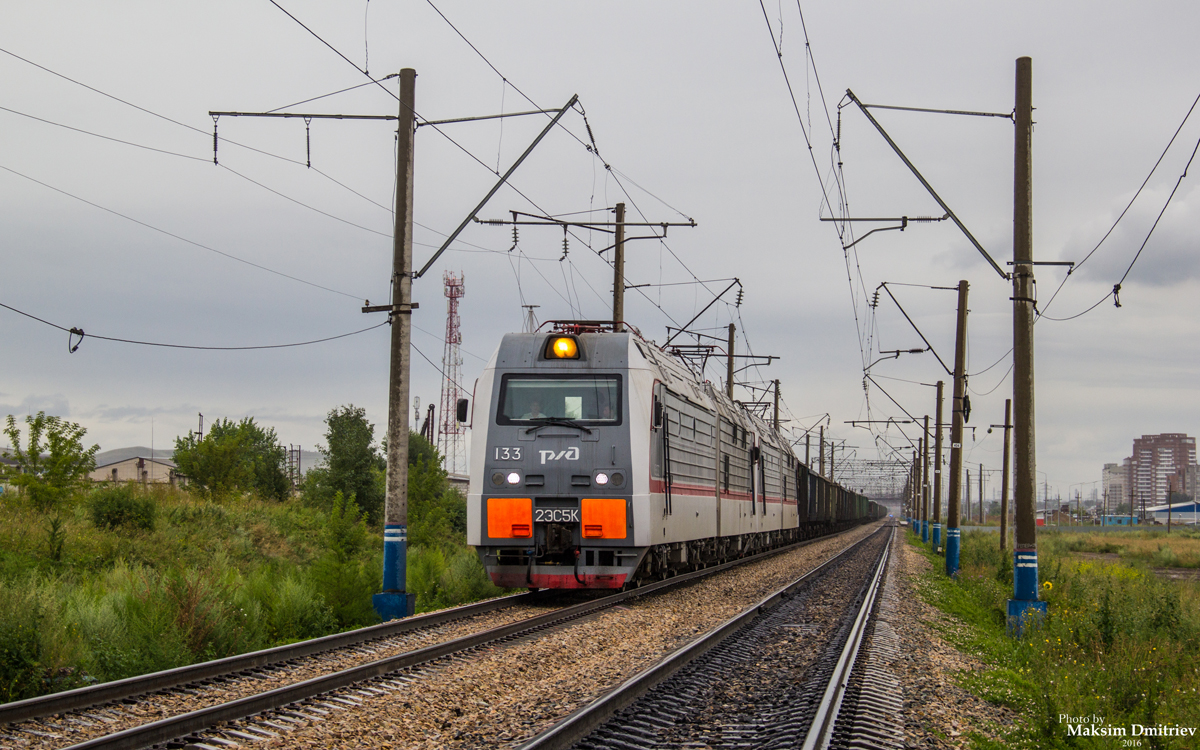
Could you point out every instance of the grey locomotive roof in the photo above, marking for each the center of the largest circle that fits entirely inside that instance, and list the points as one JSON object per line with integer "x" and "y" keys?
{"x": 597, "y": 349}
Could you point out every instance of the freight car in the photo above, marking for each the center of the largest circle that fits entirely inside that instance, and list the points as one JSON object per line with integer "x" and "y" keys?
{"x": 599, "y": 461}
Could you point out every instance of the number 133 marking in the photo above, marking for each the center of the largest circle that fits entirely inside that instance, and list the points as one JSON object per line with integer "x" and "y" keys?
{"x": 508, "y": 454}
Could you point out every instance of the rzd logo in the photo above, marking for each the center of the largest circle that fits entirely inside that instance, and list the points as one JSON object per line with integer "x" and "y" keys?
{"x": 570, "y": 454}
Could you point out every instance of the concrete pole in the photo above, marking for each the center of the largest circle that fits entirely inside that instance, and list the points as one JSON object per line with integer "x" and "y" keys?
{"x": 729, "y": 366}
{"x": 1004, "y": 478}
{"x": 953, "y": 535}
{"x": 925, "y": 483}
{"x": 982, "y": 515}
{"x": 937, "y": 472}
{"x": 1025, "y": 571}
{"x": 394, "y": 602}
{"x": 821, "y": 452}
{"x": 914, "y": 482}
{"x": 619, "y": 272}
{"x": 967, "y": 495}
{"x": 776, "y": 405}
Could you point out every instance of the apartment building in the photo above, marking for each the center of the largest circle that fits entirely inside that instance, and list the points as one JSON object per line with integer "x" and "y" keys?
{"x": 1162, "y": 464}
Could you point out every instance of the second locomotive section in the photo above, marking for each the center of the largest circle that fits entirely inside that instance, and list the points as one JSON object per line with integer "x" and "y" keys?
{"x": 601, "y": 461}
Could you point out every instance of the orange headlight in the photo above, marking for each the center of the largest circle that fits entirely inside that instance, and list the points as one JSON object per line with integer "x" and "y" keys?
{"x": 563, "y": 347}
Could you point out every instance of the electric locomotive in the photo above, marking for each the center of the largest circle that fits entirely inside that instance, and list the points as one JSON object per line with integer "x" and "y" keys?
{"x": 600, "y": 461}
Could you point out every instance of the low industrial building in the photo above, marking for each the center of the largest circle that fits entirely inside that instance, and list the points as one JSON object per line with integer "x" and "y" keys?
{"x": 1187, "y": 512}
{"x": 136, "y": 464}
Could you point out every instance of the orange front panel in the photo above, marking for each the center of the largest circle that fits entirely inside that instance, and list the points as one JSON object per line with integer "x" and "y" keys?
{"x": 603, "y": 518}
{"x": 509, "y": 517}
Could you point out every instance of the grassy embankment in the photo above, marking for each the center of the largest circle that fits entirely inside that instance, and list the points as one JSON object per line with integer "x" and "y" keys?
{"x": 117, "y": 583}
{"x": 1119, "y": 642}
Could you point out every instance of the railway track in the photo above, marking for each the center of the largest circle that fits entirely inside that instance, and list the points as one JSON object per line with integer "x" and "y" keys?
{"x": 783, "y": 673}
{"x": 181, "y": 713}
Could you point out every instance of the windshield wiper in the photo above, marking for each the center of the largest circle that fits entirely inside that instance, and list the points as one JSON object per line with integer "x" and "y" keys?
{"x": 541, "y": 422}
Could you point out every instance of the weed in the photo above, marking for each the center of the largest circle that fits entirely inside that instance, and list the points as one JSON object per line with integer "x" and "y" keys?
{"x": 56, "y": 538}
{"x": 1118, "y": 642}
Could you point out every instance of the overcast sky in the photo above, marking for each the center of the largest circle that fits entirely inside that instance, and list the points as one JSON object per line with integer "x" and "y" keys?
{"x": 688, "y": 105}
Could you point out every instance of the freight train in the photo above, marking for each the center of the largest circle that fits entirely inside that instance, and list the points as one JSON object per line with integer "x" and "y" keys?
{"x": 598, "y": 460}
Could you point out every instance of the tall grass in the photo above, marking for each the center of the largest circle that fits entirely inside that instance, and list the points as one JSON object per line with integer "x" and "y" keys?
{"x": 1118, "y": 643}
{"x": 128, "y": 582}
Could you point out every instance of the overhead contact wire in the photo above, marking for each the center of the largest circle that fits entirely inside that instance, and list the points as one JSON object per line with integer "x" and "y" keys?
{"x": 81, "y": 333}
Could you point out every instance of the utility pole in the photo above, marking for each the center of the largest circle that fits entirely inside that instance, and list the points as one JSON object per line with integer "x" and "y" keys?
{"x": 1004, "y": 478}
{"x": 937, "y": 473}
{"x": 777, "y": 404}
{"x": 953, "y": 534}
{"x": 925, "y": 483}
{"x": 915, "y": 484}
{"x": 967, "y": 495}
{"x": 394, "y": 602}
{"x": 1025, "y": 602}
{"x": 821, "y": 452}
{"x": 729, "y": 366}
{"x": 619, "y": 272}
{"x": 982, "y": 517}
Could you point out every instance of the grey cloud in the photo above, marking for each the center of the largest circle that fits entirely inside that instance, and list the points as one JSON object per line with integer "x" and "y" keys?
{"x": 1171, "y": 256}
{"x": 55, "y": 405}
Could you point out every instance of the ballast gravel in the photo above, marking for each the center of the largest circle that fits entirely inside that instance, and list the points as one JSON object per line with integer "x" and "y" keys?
{"x": 492, "y": 697}
{"x": 501, "y": 697}
{"x": 937, "y": 712}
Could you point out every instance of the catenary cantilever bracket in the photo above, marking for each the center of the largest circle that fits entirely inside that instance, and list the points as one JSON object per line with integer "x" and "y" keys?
{"x": 928, "y": 187}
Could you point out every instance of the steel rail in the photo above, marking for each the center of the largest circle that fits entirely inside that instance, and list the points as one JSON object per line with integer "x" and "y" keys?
{"x": 581, "y": 723}
{"x": 821, "y": 730}
{"x": 189, "y": 723}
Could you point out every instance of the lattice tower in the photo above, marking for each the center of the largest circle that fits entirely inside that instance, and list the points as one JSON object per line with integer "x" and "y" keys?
{"x": 450, "y": 432}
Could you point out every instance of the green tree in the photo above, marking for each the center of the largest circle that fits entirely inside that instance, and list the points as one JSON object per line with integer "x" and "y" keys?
{"x": 421, "y": 450}
{"x": 356, "y": 468}
{"x": 437, "y": 513}
{"x": 353, "y": 463}
{"x": 53, "y": 461}
{"x": 235, "y": 456}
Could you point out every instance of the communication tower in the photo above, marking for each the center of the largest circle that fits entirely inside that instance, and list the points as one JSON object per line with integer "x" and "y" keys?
{"x": 450, "y": 432}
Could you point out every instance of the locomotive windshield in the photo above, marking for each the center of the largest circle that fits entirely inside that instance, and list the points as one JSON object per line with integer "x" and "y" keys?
{"x": 583, "y": 398}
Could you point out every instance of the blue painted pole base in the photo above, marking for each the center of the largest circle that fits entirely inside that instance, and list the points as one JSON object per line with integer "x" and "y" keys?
{"x": 953, "y": 542}
{"x": 937, "y": 538}
{"x": 1024, "y": 614}
{"x": 394, "y": 606}
{"x": 925, "y": 532}
{"x": 1025, "y": 574}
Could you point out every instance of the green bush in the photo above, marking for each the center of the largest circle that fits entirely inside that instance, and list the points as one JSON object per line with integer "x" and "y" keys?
{"x": 447, "y": 576}
{"x": 285, "y": 607}
{"x": 21, "y": 669}
{"x": 121, "y": 505}
{"x": 339, "y": 575}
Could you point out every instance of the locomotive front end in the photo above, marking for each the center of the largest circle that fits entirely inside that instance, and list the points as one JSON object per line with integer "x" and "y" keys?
{"x": 550, "y": 502}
